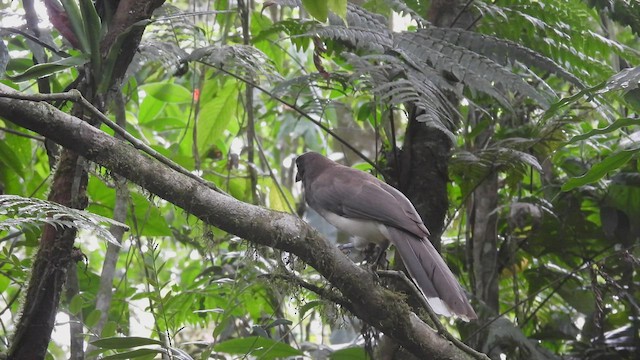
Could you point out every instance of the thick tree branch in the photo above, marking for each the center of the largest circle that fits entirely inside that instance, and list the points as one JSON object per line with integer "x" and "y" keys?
{"x": 369, "y": 301}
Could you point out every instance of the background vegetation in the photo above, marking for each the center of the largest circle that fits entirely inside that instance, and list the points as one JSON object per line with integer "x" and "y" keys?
{"x": 511, "y": 125}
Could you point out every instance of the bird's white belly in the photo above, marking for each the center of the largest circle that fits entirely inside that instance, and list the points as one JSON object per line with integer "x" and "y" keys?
{"x": 366, "y": 230}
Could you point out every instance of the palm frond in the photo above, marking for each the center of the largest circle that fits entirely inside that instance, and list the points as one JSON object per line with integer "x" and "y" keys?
{"x": 478, "y": 164}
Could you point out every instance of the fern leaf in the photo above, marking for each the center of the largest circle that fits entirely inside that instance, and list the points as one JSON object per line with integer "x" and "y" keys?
{"x": 501, "y": 51}
{"x": 475, "y": 70}
{"x": 361, "y": 18}
{"x": 403, "y": 9}
{"x": 627, "y": 80}
{"x": 27, "y": 213}
{"x": 358, "y": 38}
{"x": 253, "y": 62}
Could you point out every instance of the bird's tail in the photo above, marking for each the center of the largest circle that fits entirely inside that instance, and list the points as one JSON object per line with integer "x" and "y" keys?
{"x": 433, "y": 277}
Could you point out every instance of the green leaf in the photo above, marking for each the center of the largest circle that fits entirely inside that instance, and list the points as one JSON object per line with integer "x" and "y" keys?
{"x": 93, "y": 30}
{"x": 109, "y": 329}
{"x": 624, "y": 196}
{"x": 77, "y": 24}
{"x": 600, "y": 169}
{"x": 257, "y": 346}
{"x": 75, "y": 305}
{"x": 46, "y": 69}
{"x": 339, "y": 7}
{"x": 124, "y": 342}
{"x": 308, "y": 306}
{"x": 276, "y": 199}
{"x": 134, "y": 354}
{"x": 215, "y": 116}
{"x": 352, "y": 353}
{"x": 114, "y": 52}
{"x": 93, "y": 318}
{"x": 319, "y": 9}
{"x": 615, "y": 126}
{"x": 168, "y": 92}
{"x": 237, "y": 187}
{"x": 10, "y": 160}
{"x": 150, "y": 107}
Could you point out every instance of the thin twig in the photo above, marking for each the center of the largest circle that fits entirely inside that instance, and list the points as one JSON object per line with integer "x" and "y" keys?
{"x": 19, "y": 133}
{"x": 273, "y": 176}
{"x": 464, "y": 8}
{"x": 36, "y": 40}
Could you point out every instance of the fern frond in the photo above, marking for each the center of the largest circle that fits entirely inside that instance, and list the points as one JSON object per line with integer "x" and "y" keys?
{"x": 502, "y": 51}
{"x": 561, "y": 29}
{"x": 173, "y": 25}
{"x": 168, "y": 54}
{"x": 20, "y": 212}
{"x": 358, "y": 38}
{"x": 495, "y": 158}
{"x": 241, "y": 58}
{"x": 402, "y": 8}
{"x": 361, "y": 18}
{"x": 475, "y": 70}
{"x": 393, "y": 85}
{"x": 627, "y": 80}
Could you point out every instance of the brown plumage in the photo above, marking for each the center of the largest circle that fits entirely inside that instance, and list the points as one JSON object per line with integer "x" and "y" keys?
{"x": 373, "y": 211}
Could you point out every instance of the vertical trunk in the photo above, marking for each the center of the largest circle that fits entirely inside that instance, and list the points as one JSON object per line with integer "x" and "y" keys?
{"x": 49, "y": 270}
{"x": 424, "y": 175}
{"x": 484, "y": 242}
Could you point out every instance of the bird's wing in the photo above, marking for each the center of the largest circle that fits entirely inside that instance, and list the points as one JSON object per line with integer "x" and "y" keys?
{"x": 357, "y": 195}
{"x": 432, "y": 275}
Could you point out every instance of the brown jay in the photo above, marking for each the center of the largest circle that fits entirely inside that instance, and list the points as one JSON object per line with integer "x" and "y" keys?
{"x": 374, "y": 212}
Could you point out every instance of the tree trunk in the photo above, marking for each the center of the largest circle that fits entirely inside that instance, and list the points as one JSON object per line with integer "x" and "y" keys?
{"x": 485, "y": 242}
{"x": 49, "y": 271}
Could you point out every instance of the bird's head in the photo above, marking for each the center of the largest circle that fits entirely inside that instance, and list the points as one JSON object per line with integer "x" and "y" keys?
{"x": 310, "y": 162}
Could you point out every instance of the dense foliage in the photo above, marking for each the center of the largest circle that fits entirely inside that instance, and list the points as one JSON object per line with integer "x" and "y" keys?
{"x": 511, "y": 125}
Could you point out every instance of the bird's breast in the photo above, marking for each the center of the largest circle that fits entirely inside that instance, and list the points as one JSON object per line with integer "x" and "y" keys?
{"x": 366, "y": 230}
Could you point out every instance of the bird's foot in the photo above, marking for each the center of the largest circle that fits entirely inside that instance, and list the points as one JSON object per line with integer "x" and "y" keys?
{"x": 346, "y": 248}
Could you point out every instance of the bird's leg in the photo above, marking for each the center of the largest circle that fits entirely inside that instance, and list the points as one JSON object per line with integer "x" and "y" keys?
{"x": 379, "y": 250}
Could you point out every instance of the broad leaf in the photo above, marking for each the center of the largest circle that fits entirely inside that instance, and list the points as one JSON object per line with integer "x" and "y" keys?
{"x": 215, "y": 116}
{"x": 124, "y": 342}
{"x": 257, "y": 346}
{"x": 319, "y": 9}
{"x": 615, "y": 126}
{"x": 600, "y": 169}
{"x": 46, "y": 69}
{"x": 168, "y": 92}
{"x": 135, "y": 354}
